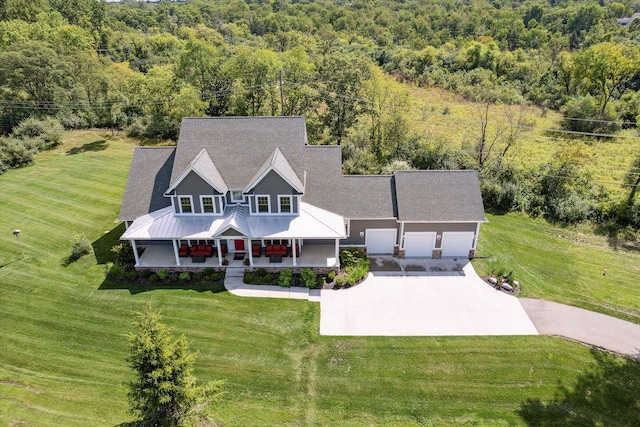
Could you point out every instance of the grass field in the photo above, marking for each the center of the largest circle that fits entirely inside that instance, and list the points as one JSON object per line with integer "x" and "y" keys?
{"x": 64, "y": 330}
{"x": 605, "y": 160}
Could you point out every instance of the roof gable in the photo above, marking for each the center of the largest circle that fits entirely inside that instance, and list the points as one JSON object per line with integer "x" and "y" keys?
{"x": 203, "y": 166}
{"x": 438, "y": 196}
{"x": 278, "y": 164}
{"x": 240, "y": 145}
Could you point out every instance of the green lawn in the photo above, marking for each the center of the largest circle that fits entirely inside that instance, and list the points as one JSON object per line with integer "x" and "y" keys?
{"x": 64, "y": 330}
{"x": 562, "y": 264}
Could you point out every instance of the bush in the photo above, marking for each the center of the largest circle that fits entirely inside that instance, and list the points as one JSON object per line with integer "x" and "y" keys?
{"x": 154, "y": 278}
{"x": 285, "y": 277}
{"x": 268, "y": 279}
{"x": 80, "y": 246}
{"x": 124, "y": 255}
{"x": 146, "y": 273}
{"x": 308, "y": 278}
{"x": 48, "y": 130}
{"x": 116, "y": 272}
{"x": 131, "y": 275}
{"x": 16, "y": 153}
{"x": 339, "y": 281}
{"x": 355, "y": 265}
{"x": 331, "y": 275}
{"x": 582, "y": 114}
{"x": 184, "y": 277}
{"x": 163, "y": 274}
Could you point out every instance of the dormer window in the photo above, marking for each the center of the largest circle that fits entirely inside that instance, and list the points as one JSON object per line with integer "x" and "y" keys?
{"x": 237, "y": 196}
{"x": 186, "y": 206}
{"x": 263, "y": 204}
{"x": 284, "y": 204}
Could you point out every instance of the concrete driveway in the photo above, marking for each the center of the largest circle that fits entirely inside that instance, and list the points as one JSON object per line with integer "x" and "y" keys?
{"x": 442, "y": 299}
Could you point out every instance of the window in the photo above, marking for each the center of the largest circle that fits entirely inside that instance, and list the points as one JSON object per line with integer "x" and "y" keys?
{"x": 285, "y": 204}
{"x": 236, "y": 196}
{"x": 185, "y": 204}
{"x": 263, "y": 204}
{"x": 207, "y": 204}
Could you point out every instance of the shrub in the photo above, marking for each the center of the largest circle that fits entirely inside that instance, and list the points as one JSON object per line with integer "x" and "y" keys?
{"x": 352, "y": 257}
{"x": 214, "y": 277}
{"x": 355, "y": 265}
{"x": 48, "y": 131}
{"x": 261, "y": 272}
{"x": 80, "y": 246}
{"x": 124, "y": 255}
{"x": 331, "y": 275}
{"x": 583, "y": 114}
{"x": 184, "y": 276}
{"x": 340, "y": 281}
{"x": 284, "y": 279}
{"x": 116, "y": 272}
{"x": 131, "y": 275}
{"x": 154, "y": 278}
{"x": 308, "y": 278}
{"x": 249, "y": 278}
{"x": 208, "y": 272}
{"x": 15, "y": 153}
{"x": 354, "y": 274}
{"x": 163, "y": 274}
{"x": 268, "y": 279}
{"x": 146, "y": 273}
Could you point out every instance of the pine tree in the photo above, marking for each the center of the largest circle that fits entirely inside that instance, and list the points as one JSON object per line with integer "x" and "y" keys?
{"x": 165, "y": 392}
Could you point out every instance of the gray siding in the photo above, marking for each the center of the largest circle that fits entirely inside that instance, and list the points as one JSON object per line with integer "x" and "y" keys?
{"x": 358, "y": 225}
{"x": 231, "y": 233}
{"x": 439, "y": 227}
{"x": 195, "y": 186}
{"x": 273, "y": 185}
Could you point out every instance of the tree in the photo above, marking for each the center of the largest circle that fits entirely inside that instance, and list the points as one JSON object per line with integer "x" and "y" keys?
{"x": 164, "y": 392}
{"x": 343, "y": 76}
{"x": 605, "y": 69}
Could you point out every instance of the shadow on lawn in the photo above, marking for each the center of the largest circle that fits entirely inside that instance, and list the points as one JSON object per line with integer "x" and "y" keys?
{"x": 137, "y": 288}
{"x": 99, "y": 145}
{"x": 609, "y": 394}
{"x": 102, "y": 246}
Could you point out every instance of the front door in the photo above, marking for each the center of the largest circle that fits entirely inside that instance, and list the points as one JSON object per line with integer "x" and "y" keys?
{"x": 238, "y": 245}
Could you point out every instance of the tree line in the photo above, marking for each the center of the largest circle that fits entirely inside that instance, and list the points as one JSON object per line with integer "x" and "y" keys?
{"x": 141, "y": 67}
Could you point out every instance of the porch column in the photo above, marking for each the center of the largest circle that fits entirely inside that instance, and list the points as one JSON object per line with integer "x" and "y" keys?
{"x": 337, "y": 252}
{"x": 219, "y": 252}
{"x": 175, "y": 251}
{"x": 250, "y": 251}
{"x": 293, "y": 248}
{"x": 135, "y": 252}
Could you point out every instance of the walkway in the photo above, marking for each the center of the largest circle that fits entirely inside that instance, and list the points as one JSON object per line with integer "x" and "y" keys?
{"x": 610, "y": 333}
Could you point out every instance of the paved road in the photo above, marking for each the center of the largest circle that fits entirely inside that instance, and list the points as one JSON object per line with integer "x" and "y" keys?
{"x": 552, "y": 318}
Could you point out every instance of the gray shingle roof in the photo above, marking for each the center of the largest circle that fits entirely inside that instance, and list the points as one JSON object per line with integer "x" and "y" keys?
{"x": 149, "y": 178}
{"x": 278, "y": 163}
{"x": 445, "y": 196}
{"x": 239, "y": 146}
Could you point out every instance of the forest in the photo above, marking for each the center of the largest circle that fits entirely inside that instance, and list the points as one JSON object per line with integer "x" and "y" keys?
{"x": 348, "y": 67}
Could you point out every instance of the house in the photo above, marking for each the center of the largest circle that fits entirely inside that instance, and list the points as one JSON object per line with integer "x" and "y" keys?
{"x": 627, "y": 21}
{"x": 252, "y": 190}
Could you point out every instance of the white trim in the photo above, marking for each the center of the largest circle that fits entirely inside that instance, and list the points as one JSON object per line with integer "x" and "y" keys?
{"x": 176, "y": 252}
{"x": 135, "y": 252}
{"x": 213, "y": 203}
{"x": 180, "y": 197}
{"x": 282, "y": 196}
{"x": 242, "y": 199}
{"x": 476, "y": 237}
{"x": 221, "y": 202}
{"x": 257, "y": 205}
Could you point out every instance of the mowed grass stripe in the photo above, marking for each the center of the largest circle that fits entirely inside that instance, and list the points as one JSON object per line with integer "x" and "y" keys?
{"x": 64, "y": 359}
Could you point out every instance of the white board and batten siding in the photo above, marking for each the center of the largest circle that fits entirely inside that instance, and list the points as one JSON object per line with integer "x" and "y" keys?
{"x": 419, "y": 244}
{"x": 457, "y": 244}
{"x": 380, "y": 241}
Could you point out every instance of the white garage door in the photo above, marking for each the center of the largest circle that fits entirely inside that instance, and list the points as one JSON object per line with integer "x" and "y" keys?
{"x": 457, "y": 243}
{"x": 419, "y": 244}
{"x": 380, "y": 240}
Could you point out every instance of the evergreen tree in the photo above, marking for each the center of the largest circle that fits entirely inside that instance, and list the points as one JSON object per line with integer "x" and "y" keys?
{"x": 165, "y": 392}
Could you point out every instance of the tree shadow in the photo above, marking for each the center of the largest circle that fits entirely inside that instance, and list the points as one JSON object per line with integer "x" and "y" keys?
{"x": 613, "y": 231}
{"x": 102, "y": 246}
{"x": 99, "y": 145}
{"x": 137, "y": 288}
{"x": 608, "y": 394}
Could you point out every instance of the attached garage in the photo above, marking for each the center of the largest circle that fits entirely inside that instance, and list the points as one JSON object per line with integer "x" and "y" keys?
{"x": 380, "y": 241}
{"x": 419, "y": 244}
{"x": 456, "y": 244}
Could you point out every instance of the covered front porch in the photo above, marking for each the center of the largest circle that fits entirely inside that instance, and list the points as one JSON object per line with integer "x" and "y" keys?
{"x": 167, "y": 254}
